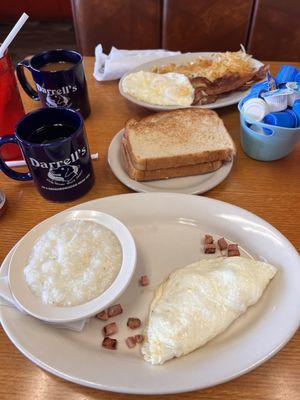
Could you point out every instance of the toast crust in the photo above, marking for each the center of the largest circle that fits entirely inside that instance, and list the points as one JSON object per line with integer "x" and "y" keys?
{"x": 165, "y": 173}
{"x": 164, "y": 123}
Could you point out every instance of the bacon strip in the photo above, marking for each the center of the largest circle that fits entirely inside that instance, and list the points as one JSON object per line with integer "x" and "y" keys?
{"x": 201, "y": 97}
{"x": 261, "y": 73}
{"x": 207, "y": 92}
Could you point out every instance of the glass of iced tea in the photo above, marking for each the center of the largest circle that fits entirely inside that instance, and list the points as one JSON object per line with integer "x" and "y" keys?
{"x": 11, "y": 107}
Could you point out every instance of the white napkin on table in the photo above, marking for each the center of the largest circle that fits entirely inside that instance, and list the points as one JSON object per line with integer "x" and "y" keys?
{"x": 6, "y": 299}
{"x": 118, "y": 62}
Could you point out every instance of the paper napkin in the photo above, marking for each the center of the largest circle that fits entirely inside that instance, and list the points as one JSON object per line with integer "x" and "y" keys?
{"x": 6, "y": 299}
{"x": 119, "y": 62}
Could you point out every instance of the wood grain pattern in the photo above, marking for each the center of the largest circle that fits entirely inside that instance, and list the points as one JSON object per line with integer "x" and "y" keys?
{"x": 269, "y": 189}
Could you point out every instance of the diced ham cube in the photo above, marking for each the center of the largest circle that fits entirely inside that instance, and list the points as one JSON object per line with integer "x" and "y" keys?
{"x": 109, "y": 343}
{"x": 144, "y": 280}
{"x": 139, "y": 338}
{"x": 112, "y": 311}
{"x": 103, "y": 315}
{"x": 233, "y": 250}
{"x": 209, "y": 248}
{"x": 208, "y": 239}
{"x": 131, "y": 341}
{"x": 134, "y": 323}
{"x": 222, "y": 244}
{"x": 110, "y": 329}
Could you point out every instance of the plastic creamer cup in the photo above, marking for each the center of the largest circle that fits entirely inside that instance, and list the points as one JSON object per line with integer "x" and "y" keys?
{"x": 277, "y": 100}
{"x": 255, "y": 109}
{"x": 295, "y": 95}
{"x": 296, "y": 109}
{"x": 287, "y": 73}
{"x": 286, "y": 119}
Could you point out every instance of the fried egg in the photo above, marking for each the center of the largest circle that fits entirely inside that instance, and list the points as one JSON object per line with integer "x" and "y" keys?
{"x": 199, "y": 301}
{"x": 171, "y": 89}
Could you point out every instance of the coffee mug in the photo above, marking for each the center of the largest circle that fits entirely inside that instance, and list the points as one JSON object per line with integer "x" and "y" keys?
{"x": 55, "y": 148}
{"x": 59, "y": 79}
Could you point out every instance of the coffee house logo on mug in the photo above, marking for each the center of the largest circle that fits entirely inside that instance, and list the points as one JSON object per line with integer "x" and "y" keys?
{"x": 62, "y": 172}
{"x": 58, "y": 97}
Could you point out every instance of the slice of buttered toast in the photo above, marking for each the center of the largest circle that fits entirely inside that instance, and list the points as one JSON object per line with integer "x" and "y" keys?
{"x": 178, "y": 138}
{"x": 165, "y": 173}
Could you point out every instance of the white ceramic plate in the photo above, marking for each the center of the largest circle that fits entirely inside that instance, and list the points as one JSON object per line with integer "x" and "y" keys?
{"x": 188, "y": 185}
{"x": 33, "y": 306}
{"x": 223, "y": 100}
{"x": 167, "y": 228}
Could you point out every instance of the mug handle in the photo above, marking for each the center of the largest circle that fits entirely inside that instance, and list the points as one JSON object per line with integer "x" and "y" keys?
{"x": 18, "y": 176}
{"x": 23, "y": 81}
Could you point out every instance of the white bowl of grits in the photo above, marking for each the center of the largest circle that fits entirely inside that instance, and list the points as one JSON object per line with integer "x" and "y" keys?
{"x": 72, "y": 266}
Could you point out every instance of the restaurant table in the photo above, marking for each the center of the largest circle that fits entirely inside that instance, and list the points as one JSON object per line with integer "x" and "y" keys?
{"x": 269, "y": 189}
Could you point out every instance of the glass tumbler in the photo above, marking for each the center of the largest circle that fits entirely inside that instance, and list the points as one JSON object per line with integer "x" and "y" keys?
{"x": 11, "y": 107}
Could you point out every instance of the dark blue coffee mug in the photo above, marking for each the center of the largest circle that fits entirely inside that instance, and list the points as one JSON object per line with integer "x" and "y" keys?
{"x": 56, "y": 150}
{"x": 59, "y": 79}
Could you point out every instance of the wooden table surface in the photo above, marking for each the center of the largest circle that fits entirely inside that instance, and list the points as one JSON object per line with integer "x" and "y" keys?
{"x": 269, "y": 189}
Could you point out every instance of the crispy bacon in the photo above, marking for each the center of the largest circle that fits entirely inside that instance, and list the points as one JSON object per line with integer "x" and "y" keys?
{"x": 202, "y": 98}
{"x": 207, "y": 92}
{"x": 200, "y": 82}
{"x": 227, "y": 83}
{"x": 260, "y": 73}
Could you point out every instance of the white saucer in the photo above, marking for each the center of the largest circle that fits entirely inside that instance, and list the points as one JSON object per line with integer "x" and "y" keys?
{"x": 188, "y": 185}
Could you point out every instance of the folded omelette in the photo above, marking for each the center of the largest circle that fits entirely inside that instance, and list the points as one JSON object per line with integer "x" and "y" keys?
{"x": 199, "y": 301}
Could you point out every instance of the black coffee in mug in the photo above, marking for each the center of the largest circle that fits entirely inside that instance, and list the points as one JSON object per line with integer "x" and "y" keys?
{"x": 50, "y": 133}
{"x": 59, "y": 79}
{"x": 55, "y": 148}
{"x": 57, "y": 66}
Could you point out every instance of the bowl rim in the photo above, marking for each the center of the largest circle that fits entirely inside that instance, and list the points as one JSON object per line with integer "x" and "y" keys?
{"x": 32, "y": 305}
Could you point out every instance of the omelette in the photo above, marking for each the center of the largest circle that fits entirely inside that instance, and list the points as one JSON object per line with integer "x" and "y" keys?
{"x": 199, "y": 301}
